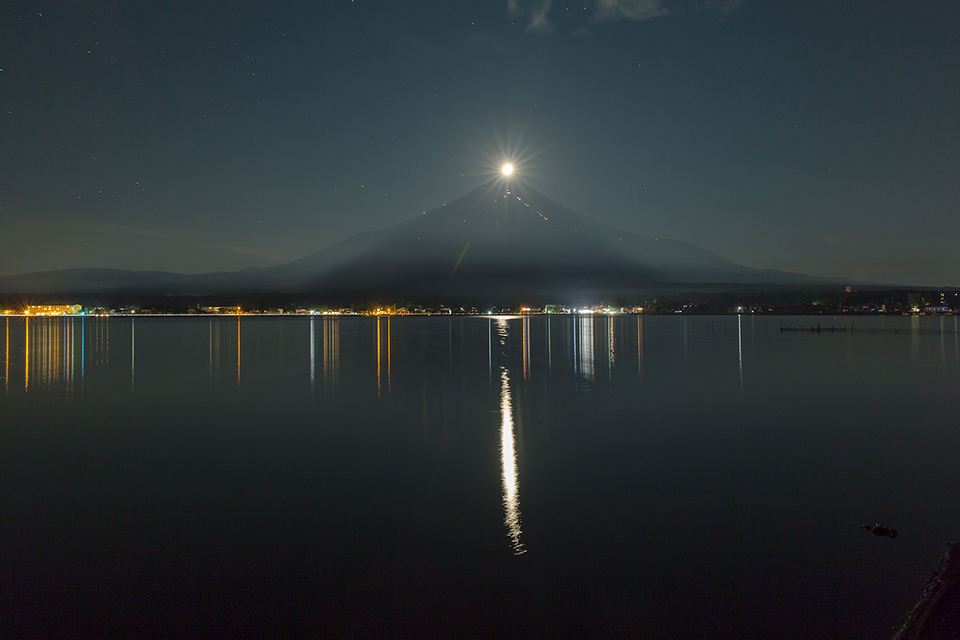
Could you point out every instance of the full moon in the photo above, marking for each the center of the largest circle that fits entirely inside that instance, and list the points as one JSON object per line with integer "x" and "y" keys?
{"x": 507, "y": 169}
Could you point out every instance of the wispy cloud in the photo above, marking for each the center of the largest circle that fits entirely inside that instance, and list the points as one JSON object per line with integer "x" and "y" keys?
{"x": 538, "y": 16}
{"x": 629, "y": 9}
{"x": 536, "y": 13}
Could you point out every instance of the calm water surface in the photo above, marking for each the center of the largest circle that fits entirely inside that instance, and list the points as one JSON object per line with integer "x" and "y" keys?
{"x": 700, "y": 477}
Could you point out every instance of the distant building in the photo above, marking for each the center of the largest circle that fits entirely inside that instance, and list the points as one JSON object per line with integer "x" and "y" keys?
{"x": 53, "y": 309}
{"x": 913, "y": 301}
{"x": 221, "y": 310}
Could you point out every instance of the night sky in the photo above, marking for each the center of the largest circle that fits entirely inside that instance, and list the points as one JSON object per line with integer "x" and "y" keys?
{"x": 819, "y": 136}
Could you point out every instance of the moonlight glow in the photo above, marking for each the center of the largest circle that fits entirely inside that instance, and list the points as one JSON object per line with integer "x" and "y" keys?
{"x": 507, "y": 169}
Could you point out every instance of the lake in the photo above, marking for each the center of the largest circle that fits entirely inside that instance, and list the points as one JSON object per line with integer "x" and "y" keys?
{"x": 545, "y": 476}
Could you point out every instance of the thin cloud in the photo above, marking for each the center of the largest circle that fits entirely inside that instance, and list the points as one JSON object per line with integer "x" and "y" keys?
{"x": 538, "y": 17}
{"x": 634, "y": 10}
{"x": 537, "y": 12}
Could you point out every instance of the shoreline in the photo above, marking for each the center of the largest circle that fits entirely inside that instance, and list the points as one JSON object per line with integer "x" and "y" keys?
{"x": 937, "y": 614}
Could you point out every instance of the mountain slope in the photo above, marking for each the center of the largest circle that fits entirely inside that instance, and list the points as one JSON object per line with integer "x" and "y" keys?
{"x": 508, "y": 238}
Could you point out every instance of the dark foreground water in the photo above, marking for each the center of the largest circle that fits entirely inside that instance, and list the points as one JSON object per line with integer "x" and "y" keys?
{"x": 663, "y": 477}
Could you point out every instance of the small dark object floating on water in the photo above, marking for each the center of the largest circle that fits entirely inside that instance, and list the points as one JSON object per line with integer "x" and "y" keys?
{"x": 880, "y": 530}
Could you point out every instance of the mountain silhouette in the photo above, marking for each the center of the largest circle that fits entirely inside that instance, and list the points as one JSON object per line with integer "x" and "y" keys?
{"x": 503, "y": 239}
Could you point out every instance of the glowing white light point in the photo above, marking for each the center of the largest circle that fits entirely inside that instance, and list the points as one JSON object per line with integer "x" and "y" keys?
{"x": 507, "y": 169}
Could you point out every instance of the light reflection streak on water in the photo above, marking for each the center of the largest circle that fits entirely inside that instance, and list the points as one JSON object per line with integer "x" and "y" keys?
{"x": 101, "y": 354}
{"x": 238, "y": 351}
{"x": 48, "y": 354}
{"x": 378, "y": 357}
{"x": 639, "y": 346}
{"x": 51, "y": 352}
{"x": 6, "y": 373}
{"x": 612, "y": 355}
{"x": 133, "y": 350}
{"x": 525, "y": 326}
{"x": 740, "y": 348}
{"x": 313, "y": 356}
{"x": 331, "y": 352}
{"x": 26, "y": 351}
{"x": 389, "y": 377}
{"x": 67, "y": 356}
{"x": 73, "y": 357}
{"x": 45, "y": 353}
{"x": 508, "y": 454}
{"x": 503, "y": 331}
{"x": 586, "y": 349}
{"x": 576, "y": 352}
{"x": 82, "y": 354}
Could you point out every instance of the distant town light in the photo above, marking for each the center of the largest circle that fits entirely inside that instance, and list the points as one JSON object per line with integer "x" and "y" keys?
{"x": 52, "y": 310}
